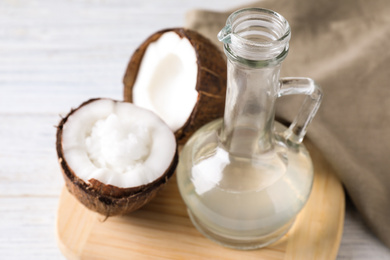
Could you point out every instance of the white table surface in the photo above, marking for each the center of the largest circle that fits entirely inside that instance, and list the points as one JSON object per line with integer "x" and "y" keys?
{"x": 53, "y": 56}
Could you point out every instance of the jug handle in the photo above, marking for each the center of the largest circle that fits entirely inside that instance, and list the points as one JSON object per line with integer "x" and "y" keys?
{"x": 308, "y": 87}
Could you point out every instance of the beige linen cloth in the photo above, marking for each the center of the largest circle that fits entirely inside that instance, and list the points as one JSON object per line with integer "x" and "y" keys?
{"x": 345, "y": 47}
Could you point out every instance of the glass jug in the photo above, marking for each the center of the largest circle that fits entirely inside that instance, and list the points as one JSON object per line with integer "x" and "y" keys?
{"x": 245, "y": 177}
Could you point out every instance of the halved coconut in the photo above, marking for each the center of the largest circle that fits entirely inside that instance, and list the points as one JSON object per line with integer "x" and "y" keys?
{"x": 181, "y": 76}
{"x": 114, "y": 155}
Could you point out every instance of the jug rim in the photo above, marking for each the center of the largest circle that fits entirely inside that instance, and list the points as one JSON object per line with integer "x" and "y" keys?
{"x": 256, "y": 36}
{"x": 284, "y": 36}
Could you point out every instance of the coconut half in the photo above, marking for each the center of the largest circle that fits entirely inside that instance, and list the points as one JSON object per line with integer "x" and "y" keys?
{"x": 181, "y": 76}
{"x": 114, "y": 155}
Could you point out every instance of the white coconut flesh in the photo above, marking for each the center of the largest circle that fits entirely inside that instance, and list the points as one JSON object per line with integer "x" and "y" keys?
{"x": 166, "y": 79}
{"x": 117, "y": 143}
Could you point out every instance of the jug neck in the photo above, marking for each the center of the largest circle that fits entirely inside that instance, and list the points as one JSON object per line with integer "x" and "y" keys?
{"x": 250, "y": 108}
{"x": 255, "y": 43}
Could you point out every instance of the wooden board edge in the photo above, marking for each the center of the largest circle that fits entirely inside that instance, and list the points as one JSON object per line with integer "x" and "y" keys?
{"x": 62, "y": 245}
{"x": 73, "y": 249}
{"x": 341, "y": 224}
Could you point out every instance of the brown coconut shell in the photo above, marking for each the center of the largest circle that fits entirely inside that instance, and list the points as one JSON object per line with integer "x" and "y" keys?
{"x": 108, "y": 200}
{"x": 211, "y": 80}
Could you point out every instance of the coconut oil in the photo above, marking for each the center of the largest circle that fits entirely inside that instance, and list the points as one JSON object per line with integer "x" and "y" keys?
{"x": 242, "y": 202}
{"x": 244, "y": 178}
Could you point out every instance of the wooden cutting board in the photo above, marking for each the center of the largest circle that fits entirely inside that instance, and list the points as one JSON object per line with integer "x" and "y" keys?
{"x": 163, "y": 230}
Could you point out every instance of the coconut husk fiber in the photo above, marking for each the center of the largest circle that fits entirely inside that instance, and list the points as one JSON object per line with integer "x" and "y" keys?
{"x": 345, "y": 47}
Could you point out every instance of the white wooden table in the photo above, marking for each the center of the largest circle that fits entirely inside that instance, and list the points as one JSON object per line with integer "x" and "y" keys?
{"x": 53, "y": 56}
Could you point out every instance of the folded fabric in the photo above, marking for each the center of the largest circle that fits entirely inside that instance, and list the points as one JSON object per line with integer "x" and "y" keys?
{"x": 345, "y": 47}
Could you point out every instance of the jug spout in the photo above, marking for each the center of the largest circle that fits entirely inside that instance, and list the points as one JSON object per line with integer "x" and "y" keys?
{"x": 224, "y": 34}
